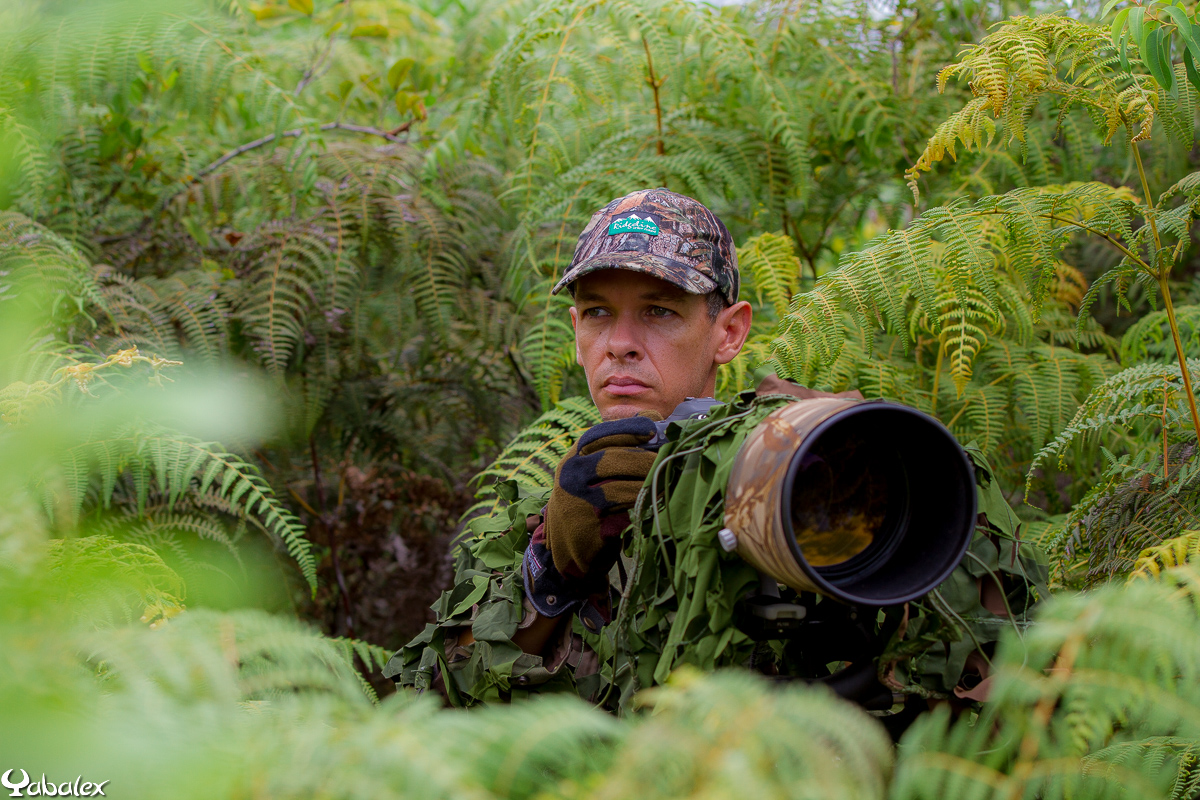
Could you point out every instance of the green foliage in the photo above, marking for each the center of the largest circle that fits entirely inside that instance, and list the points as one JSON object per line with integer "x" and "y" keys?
{"x": 176, "y": 465}
{"x": 226, "y": 701}
{"x": 1147, "y": 392}
{"x": 961, "y": 300}
{"x": 593, "y": 99}
{"x": 191, "y": 206}
{"x": 144, "y": 457}
{"x": 225, "y": 696}
{"x": 109, "y": 583}
{"x": 1142, "y": 498}
{"x": 973, "y": 285}
{"x": 1149, "y": 338}
{"x": 375, "y": 220}
{"x": 769, "y": 261}
{"x": 1027, "y": 59}
{"x": 532, "y": 455}
{"x": 367, "y": 203}
{"x": 1095, "y": 700}
{"x": 222, "y": 699}
{"x": 1172, "y": 553}
{"x": 723, "y": 736}
{"x": 1019, "y": 394}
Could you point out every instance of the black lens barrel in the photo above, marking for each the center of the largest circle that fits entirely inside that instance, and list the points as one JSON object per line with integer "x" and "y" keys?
{"x": 930, "y": 507}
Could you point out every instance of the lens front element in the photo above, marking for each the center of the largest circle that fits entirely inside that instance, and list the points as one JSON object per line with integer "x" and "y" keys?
{"x": 841, "y": 498}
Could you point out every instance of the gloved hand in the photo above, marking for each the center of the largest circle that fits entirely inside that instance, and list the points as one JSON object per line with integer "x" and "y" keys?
{"x": 595, "y": 486}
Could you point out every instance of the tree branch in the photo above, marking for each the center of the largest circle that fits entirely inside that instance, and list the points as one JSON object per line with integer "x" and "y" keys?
{"x": 895, "y": 58}
{"x": 1096, "y": 232}
{"x": 316, "y": 65}
{"x": 327, "y": 522}
{"x": 265, "y": 140}
{"x": 655, "y": 84}
{"x": 391, "y": 136}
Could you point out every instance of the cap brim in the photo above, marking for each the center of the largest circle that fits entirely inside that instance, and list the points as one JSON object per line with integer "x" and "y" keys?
{"x": 674, "y": 272}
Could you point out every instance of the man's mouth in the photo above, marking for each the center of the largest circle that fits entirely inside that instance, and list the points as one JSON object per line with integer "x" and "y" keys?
{"x": 624, "y": 386}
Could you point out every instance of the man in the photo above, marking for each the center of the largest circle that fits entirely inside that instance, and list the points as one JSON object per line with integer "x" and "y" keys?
{"x": 655, "y": 285}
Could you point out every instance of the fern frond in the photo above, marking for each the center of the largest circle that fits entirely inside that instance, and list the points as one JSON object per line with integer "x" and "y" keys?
{"x": 271, "y": 658}
{"x": 433, "y": 271}
{"x": 771, "y": 263}
{"x": 1095, "y": 699}
{"x": 102, "y": 577}
{"x": 1149, "y": 338}
{"x": 691, "y": 714}
{"x": 159, "y": 528}
{"x": 177, "y": 465}
{"x": 548, "y": 347}
{"x": 193, "y": 301}
{"x": 984, "y": 416}
{"x": 286, "y": 267}
{"x": 533, "y": 454}
{"x": 1049, "y": 388}
{"x": 1140, "y": 502}
{"x": 1173, "y": 552}
{"x": 1026, "y": 59}
{"x": 947, "y": 262}
{"x": 1148, "y": 391}
{"x": 964, "y": 328}
{"x": 28, "y": 171}
{"x": 739, "y": 375}
{"x": 373, "y": 657}
{"x": 41, "y": 267}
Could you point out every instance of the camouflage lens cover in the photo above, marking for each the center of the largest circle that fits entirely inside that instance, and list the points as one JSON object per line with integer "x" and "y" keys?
{"x": 663, "y": 234}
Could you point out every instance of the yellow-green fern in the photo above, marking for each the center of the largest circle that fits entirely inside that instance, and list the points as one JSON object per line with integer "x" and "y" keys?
{"x": 769, "y": 259}
{"x": 1173, "y": 552}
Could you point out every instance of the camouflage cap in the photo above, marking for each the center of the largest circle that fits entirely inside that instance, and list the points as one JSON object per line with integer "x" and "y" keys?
{"x": 663, "y": 234}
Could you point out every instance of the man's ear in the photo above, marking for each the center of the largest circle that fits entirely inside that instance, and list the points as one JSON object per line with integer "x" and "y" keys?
{"x": 732, "y": 327}
{"x": 575, "y": 327}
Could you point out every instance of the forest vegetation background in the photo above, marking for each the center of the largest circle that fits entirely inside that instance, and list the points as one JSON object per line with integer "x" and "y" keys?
{"x": 274, "y": 304}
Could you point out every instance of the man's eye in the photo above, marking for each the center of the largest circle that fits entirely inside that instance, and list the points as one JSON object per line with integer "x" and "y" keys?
{"x": 659, "y": 311}
{"x": 595, "y": 311}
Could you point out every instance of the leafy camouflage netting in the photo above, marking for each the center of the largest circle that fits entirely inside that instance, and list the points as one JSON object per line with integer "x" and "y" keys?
{"x": 681, "y": 592}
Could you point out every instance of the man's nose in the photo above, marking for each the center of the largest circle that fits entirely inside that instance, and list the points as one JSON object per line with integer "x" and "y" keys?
{"x": 624, "y": 340}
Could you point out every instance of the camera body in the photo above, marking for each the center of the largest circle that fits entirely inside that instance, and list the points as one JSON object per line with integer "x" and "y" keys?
{"x": 691, "y": 408}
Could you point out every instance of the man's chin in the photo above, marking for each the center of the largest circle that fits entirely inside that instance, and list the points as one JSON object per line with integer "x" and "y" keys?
{"x": 625, "y": 407}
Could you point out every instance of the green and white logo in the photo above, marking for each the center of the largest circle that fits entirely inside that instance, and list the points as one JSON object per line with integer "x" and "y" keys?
{"x": 633, "y": 224}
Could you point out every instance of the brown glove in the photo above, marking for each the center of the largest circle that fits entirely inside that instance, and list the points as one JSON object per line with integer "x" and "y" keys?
{"x": 595, "y": 486}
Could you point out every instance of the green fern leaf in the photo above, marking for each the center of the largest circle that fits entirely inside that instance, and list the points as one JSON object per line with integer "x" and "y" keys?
{"x": 533, "y": 454}
{"x": 771, "y": 262}
{"x": 178, "y": 465}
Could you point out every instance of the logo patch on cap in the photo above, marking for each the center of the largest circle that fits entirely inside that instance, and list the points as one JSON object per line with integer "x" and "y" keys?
{"x": 633, "y": 224}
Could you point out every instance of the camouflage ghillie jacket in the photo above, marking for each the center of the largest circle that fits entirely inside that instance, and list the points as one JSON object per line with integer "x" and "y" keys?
{"x": 488, "y": 601}
{"x": 675, "y": 594}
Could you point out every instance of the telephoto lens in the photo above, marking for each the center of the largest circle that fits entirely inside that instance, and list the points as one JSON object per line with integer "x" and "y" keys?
{"x": 869, "y": 502}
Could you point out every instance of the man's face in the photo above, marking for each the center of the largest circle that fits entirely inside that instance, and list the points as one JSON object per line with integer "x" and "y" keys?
{"x": 646, "y": 344}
